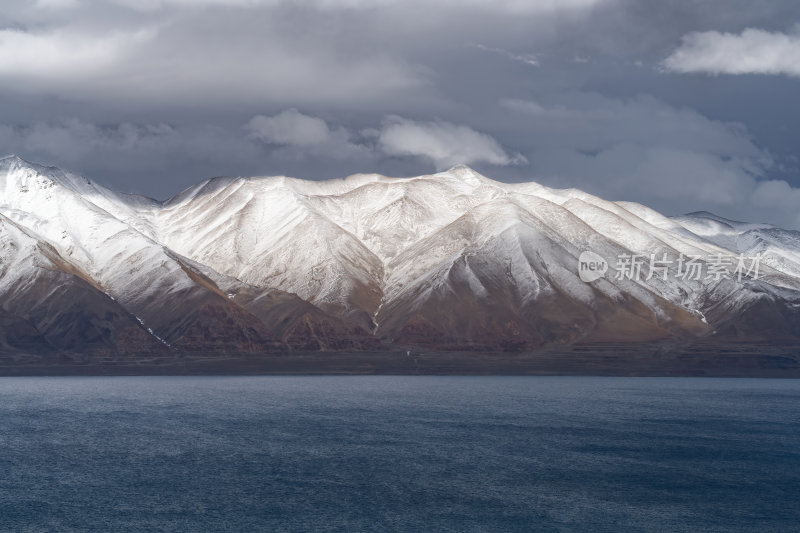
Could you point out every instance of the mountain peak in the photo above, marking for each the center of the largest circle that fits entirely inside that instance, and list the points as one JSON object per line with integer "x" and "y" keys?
{"x": 465, "y": 174}
{"x": 462, "y": 170}
{"x": 727, "y": 222}
{"x": 14, "y": 160}
{"x": 26, "y": 174}
{"x": 712, "y": 216}
{"x": 461, "y": 167}
{"x": 19, "y": 176}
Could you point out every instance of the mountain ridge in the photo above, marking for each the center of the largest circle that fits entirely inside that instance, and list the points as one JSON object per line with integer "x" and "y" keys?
{"x": 446, "y": 261}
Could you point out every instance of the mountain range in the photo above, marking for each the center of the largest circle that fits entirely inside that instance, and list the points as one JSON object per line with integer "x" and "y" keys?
{"x": 452, "y": 261}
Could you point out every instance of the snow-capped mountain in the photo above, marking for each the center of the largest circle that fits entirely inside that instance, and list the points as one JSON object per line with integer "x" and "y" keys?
{"x": 452, "y": 260}
{"x": 779, "y": 248}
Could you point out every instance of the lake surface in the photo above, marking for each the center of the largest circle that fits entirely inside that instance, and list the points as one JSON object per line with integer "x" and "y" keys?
{"x": 399, "y": 454}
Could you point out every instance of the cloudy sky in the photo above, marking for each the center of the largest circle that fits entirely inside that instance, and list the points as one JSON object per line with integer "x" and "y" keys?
{"x": 681, "y": 105}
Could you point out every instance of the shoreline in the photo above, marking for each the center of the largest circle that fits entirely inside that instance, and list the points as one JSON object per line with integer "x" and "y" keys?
{"x": 653, "y": 360}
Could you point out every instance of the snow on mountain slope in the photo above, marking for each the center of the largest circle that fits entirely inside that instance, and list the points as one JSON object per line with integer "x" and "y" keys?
{"x": 716, "y": 229}
{"x": 125, "y": 264}
{"x": 264, "y": 233}
{"x": 175, "y": 302}
{"x": 388, "y": 215}
{"x": 447, "y": 259}
{"x": 778, "y": 248}
{"x": 288, "y": 318}
{"x": 368, "y": 245}
{"x": 518, "y": 260}
{"x": 126, "y": 207}
{"x": 59, "y": 304}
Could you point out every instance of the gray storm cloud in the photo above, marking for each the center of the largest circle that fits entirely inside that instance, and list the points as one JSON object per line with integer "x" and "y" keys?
{"x": 624, "y": 99}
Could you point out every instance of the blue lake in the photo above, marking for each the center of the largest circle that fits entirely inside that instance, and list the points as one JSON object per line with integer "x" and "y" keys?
{"x": 399, "y": 454}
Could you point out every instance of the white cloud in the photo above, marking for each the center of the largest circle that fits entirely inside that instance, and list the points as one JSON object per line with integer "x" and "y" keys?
{"x": 754, "y": 51}
{"x": 444, "y": 143}
{"x": 61, "y": 53}
{"x": 307, "y": 134}
{"x": 194, "y": 56}
{"x": 290, "y": 127}
{"x": 225, "y": 53}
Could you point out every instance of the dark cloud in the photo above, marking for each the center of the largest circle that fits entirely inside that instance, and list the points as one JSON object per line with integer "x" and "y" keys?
{"x": 619, "y": 97}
